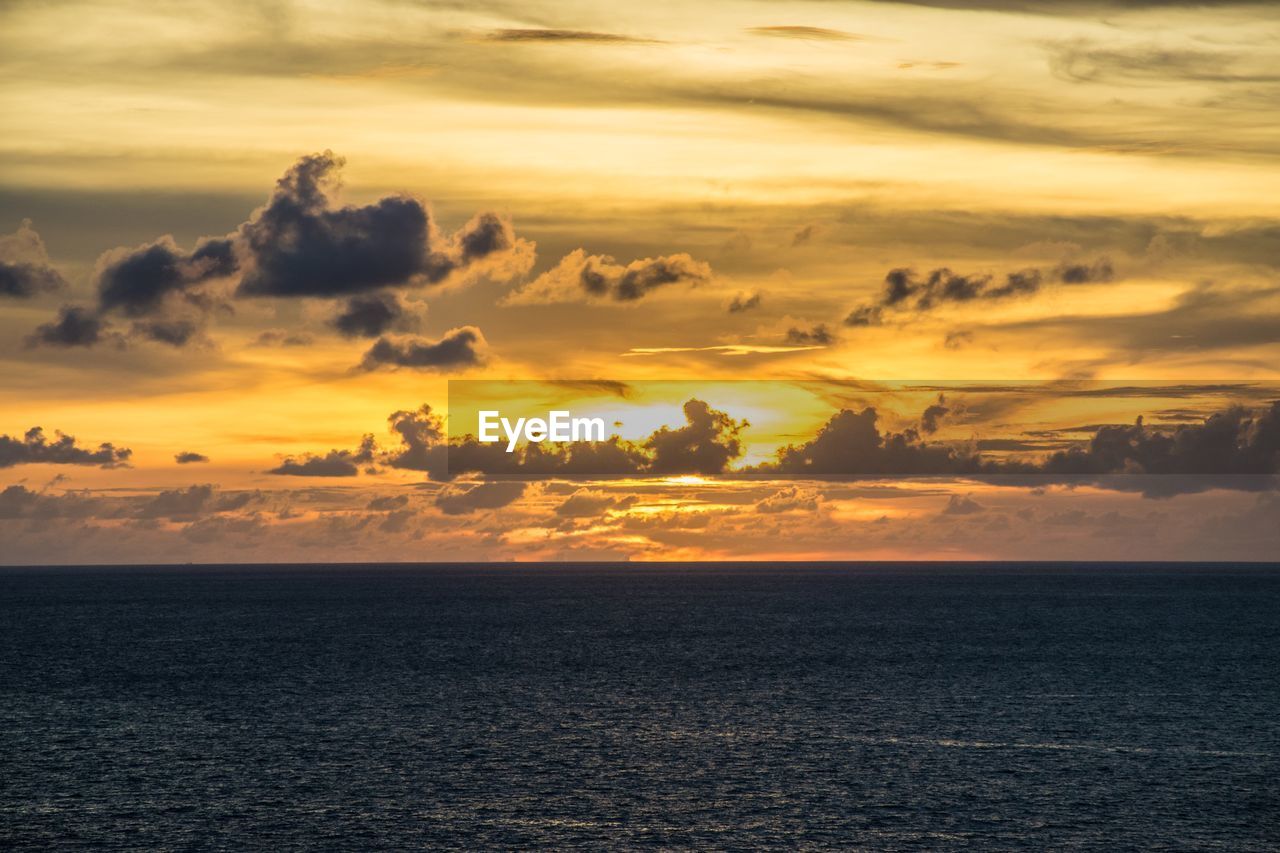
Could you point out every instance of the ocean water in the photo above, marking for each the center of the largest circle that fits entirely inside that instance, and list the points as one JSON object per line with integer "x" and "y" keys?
{"x": 899, "y": 707}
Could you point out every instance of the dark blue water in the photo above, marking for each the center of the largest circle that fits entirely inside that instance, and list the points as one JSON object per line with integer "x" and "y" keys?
{"x": 894, "y": 708}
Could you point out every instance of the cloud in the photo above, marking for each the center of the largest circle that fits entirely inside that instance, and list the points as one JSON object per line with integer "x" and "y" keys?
{"x": 386, "y": 503}
{"x": 25, "y": 269}
{"x": 17, "y": 501}
{"x": 137, "y": 282}
{"x": 933, "y": 414}
{"x": 1203, "y": 318}
{"x": 905, "y": 291}
{"x": 805, "y": 33}
{"x": 704, "y": 445}
{"x": 464, "y": 500}
{"x": 193, "y": 501}
{"x": 586, "y": 503}
{"x": 371, "y": 315}
{"x": 1081, "y": 61}
{"x": 335, "y": 463}
{"x": 561, "y": 36}
{"x": 818, "y": 335}
{"x": 745, "y": 302}
{"x": 789, "y": 499}
{"x": 280, "y": 337}
{"x": 188, "y": 457}
{"x": 1233, "y": 448}
{"x": 421, "y": 433}
{"x": 75, "y": 327}
{"x": 456, "y": 349}
{"x": 580, "y": 276}
{"x": 34, "y": 448}
{"x": 301, "y": 244}
{"x": 962, "y": 505}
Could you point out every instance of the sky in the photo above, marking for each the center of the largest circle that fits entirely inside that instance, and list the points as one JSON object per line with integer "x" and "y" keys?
{"x": 860, "y": 279}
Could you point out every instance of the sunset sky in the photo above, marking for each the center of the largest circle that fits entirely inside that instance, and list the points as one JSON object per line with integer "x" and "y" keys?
{"x": 248, "y": 235}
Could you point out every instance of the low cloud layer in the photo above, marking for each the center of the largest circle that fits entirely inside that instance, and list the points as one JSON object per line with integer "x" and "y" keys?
{"x": 35, "y": 448}
{"x": 25, "y": 269}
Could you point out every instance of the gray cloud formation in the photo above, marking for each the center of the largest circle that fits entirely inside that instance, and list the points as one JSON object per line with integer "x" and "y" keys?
{"x": 299, "y": 244}
{"x": 335, "y": 463}
{"x": 34, "y": 448}
{"x": 905, "y": 291}
{"x": 463, "y": 500}
{"x": 371, "y": 315}
{"x": 25, "y": 269}
{"x": 188, "y": 457}
{"x": 457, "y": 348}
{"x": 580, "y": 276}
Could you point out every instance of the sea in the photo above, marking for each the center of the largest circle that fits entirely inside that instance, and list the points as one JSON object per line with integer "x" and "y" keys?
{"x": 897, "y": 706}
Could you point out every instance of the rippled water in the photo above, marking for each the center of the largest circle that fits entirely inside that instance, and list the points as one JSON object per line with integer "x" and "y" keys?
{"x": 893, "y": 708}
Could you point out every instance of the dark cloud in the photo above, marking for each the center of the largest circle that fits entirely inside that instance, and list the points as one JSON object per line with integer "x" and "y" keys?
{"x": 137, "y": 282}
{"x": 806, "y": 33}
{"x": 1203, "y": 319}
{"x": 25, "y": 270}
{"x": 579, "y": 275}
{"x": 1084, "y": 62}
{"x": 188, "y": 457}
{"x": 905, "y": 291}
{"x": 1234, "y": 448}
{"x": 962, "y": 505}
{"x": 386, "y": 503}
{"x": 34, "y": 448}
{"x": 818, "y": 335}
{"x": 192, "y": 502}
{"x": 300, "y": 245}
{"x": 585, "y": 503}
{"x": 75, "y": 327}
{"x": 18, "y": 501}
{"x": 279, "y": 337}
{"x": 463, "y": 500}
{"x": 371, "y": 315}
{"x": 421, "y": 433}
{"x": 335, "y": 463}
{"x": 552, "y": 35}
{"x": 706, "y": 444}
{"x": 458, "y": 348}
{"x": 744, "y": 302}
{"x": 933, "y": 415}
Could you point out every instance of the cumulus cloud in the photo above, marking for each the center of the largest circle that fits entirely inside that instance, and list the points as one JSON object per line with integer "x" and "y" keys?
{"x": 301, "y": 243}
{"x": 587, "y": 503}
{"x": 34, "y": 448}
{"x": 458, "y": 348}
{"x": 819, "y": 336}
{"x": 137, "y": 282}
{"x": 580, "y": 276}
{"x": 421, "y": 432}
{"x": 335, "y": 463}
{"x": 193, "y": 501}
{"x": 1233, "y": 448}
{"x": 25, "y": 269}
{"x": 905, "y": 291}
{"x": 745, "y": 302}
{"x": 188, "y": 457}
{"x": 374, "y": 314}
{"x": 463, "y": 500}
{"x": 789, "y": 499}
{"x": 75, "y": 326}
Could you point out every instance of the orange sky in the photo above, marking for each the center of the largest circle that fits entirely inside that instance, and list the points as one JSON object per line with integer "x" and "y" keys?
{"x": 589, "y": 191}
